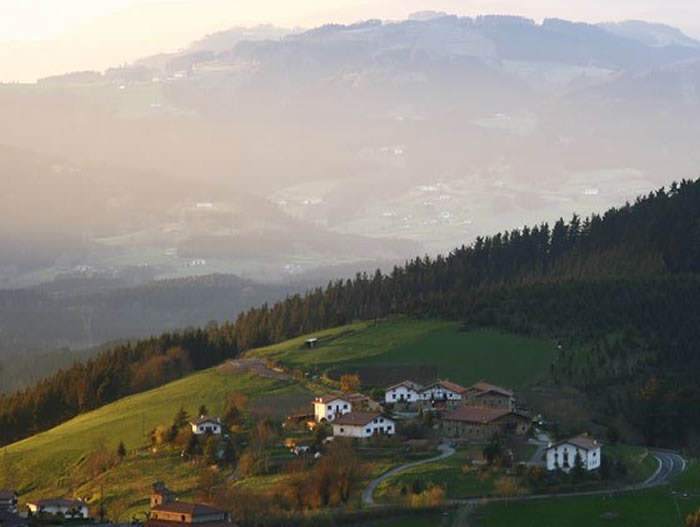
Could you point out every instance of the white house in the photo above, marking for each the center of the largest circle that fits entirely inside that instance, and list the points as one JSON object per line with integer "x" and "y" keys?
{"x": 59, "y": 507}
{"x": 329, "y": 407}
{"x": 406, "y": 391}
{"x": 207, "y": 425}
{"x": 362, "y": 425}
{"x": 443, "y": 391}
{"x": 562, "y": 455}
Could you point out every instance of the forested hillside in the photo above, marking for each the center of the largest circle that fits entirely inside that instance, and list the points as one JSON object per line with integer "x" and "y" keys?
{"x": 624, "y": 283}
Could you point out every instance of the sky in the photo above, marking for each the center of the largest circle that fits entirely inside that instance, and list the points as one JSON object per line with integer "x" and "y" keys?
{"x": 46, "y": 37}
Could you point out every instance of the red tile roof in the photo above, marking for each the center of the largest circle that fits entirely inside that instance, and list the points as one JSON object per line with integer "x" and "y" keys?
{"x": 330, "y": 398}
{"x": 486, "y": 387}
{"x": 408, "y": 384}
{"x": 447, "y": 385}
{"x": 356, "y": 418}
{"x": 476, "y": 414}
{"x": 181, "y": 507}
{"x": 582, "y": 441}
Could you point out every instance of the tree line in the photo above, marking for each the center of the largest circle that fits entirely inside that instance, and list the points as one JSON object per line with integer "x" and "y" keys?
{"x": 499, "y": 280}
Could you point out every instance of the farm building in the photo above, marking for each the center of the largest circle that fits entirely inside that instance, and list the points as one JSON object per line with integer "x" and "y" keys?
{"x": 166, "y": 511}
{"x": 443, "y": 391}
{"x": 59, "y": 507}
{"x": 361, "y": 402}
{"x": 363, "y": 425}
{"x": 207, "y": 425}
{"x": 562, "y": 455}
{"x": 472, "y": 423}
{"x": 8, "y": 501}
{"x": 490, "y": 396}
{"x": 406, "y": 391}
{"x": 329, "y": 407}
{"x": 311, "y": 343}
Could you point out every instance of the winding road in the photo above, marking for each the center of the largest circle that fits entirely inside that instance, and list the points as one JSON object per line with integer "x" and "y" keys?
{"x": 368, "y": 494}
{"x": 670, "y": 464}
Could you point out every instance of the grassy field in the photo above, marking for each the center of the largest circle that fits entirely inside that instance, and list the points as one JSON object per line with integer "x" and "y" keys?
{"x": 661, "y": 507}
{"x": 461, "y": 356}
{"x": 446, "y": 472}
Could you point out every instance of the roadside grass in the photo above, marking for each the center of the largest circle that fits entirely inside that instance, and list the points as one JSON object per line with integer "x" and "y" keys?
{"x": 448, "y": 473}
{"x": 461, "y": 356}
{"x": 665, "y": 506}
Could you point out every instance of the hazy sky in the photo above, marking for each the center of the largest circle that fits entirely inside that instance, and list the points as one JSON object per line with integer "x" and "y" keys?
{"x": 43, "y": 37}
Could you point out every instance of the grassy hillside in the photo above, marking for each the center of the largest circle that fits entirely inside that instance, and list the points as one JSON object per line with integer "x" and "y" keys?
{"x": 55, "y": 463}
{"x": 665, "y": 506}
{"x": 461, "y": 356}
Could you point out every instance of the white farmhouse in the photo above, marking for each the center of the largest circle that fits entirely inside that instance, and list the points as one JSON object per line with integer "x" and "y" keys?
{"x": 406, "y": 391}
{"x": 329, "y": 407}
{"x": 443, "y": 391}
{"x": 207, "y": 425}
{"x": 59, "y": 507}
{"x": 562, "y": 455}
{"x": 362, "y": 425}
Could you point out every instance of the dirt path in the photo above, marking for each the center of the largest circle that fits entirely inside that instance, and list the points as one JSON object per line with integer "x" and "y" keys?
{"x": 253, "y": 365}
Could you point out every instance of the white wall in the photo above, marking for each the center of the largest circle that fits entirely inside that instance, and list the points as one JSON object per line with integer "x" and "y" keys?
{"x": 439, "y": 393}
{"x": 401, "y": 393}
{"x": 380, "y": 425}
{"x": 567, "y": 457}
{"x": 214, "y": 428}
{"x": 328, "y": 411}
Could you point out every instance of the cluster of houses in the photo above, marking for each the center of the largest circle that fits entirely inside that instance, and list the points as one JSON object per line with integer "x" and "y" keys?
{"x": 165, "y": 511}
{"x": 475, "y": 413}
{"x": 466, "y": 414}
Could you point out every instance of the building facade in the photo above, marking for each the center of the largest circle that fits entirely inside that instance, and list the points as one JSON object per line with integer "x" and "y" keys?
{"x": 563, "y": 455}
{"x": 328, "y": 408}
{"x": 363, "y": 425}
{"x": 480, "y": 424}
{"x": 489, "y": 396}
{"x": 65, "y": 508}
{"x": 443, "y": 391}
{"x": 207, "y": 425}
{"x": 8, "y": 501}
{"x": 404, "y": 392}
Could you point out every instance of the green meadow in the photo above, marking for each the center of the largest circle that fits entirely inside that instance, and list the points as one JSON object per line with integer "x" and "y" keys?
{"x": 461, "y": 356}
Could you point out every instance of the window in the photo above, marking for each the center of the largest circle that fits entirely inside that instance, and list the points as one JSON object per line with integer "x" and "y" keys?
{"x": 393, "y": 396}
{"x": 182, "y": 518}
{"x": 381, "y": 420}
{"x": 368, "y": 430}
{"x": 342, "y": 430}
{"x": 345, "y": 407}
{"x": 388, "y": 428}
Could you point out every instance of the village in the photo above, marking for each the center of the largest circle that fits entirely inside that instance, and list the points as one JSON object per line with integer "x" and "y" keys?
{"x": 451, "y": 417}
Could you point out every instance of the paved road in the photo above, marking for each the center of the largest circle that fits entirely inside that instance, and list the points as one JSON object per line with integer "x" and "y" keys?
{"x": 368, "y": 494}
{"x": 670, "y": 465}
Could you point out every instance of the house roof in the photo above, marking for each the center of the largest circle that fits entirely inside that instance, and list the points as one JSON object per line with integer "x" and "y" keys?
{"x": 330, "y": 398}
{"x": 476, "y": 414}
{"x": 485, "y": 387}
{"x": 447, "y": 385}
{"x": 181, "y": 507}
{"x": 57, "y": 502}
{"x": 7, "y": 494}
{"x": 582, "y": 441}
{"x": 356, "y": 418}
{"x": 408, "y": 384}
{"x": 206, "y": 419}
{"x": 166, "y": 523}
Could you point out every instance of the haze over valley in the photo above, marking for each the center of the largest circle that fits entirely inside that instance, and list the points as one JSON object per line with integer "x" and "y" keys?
{"x": 287, "y": 157}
